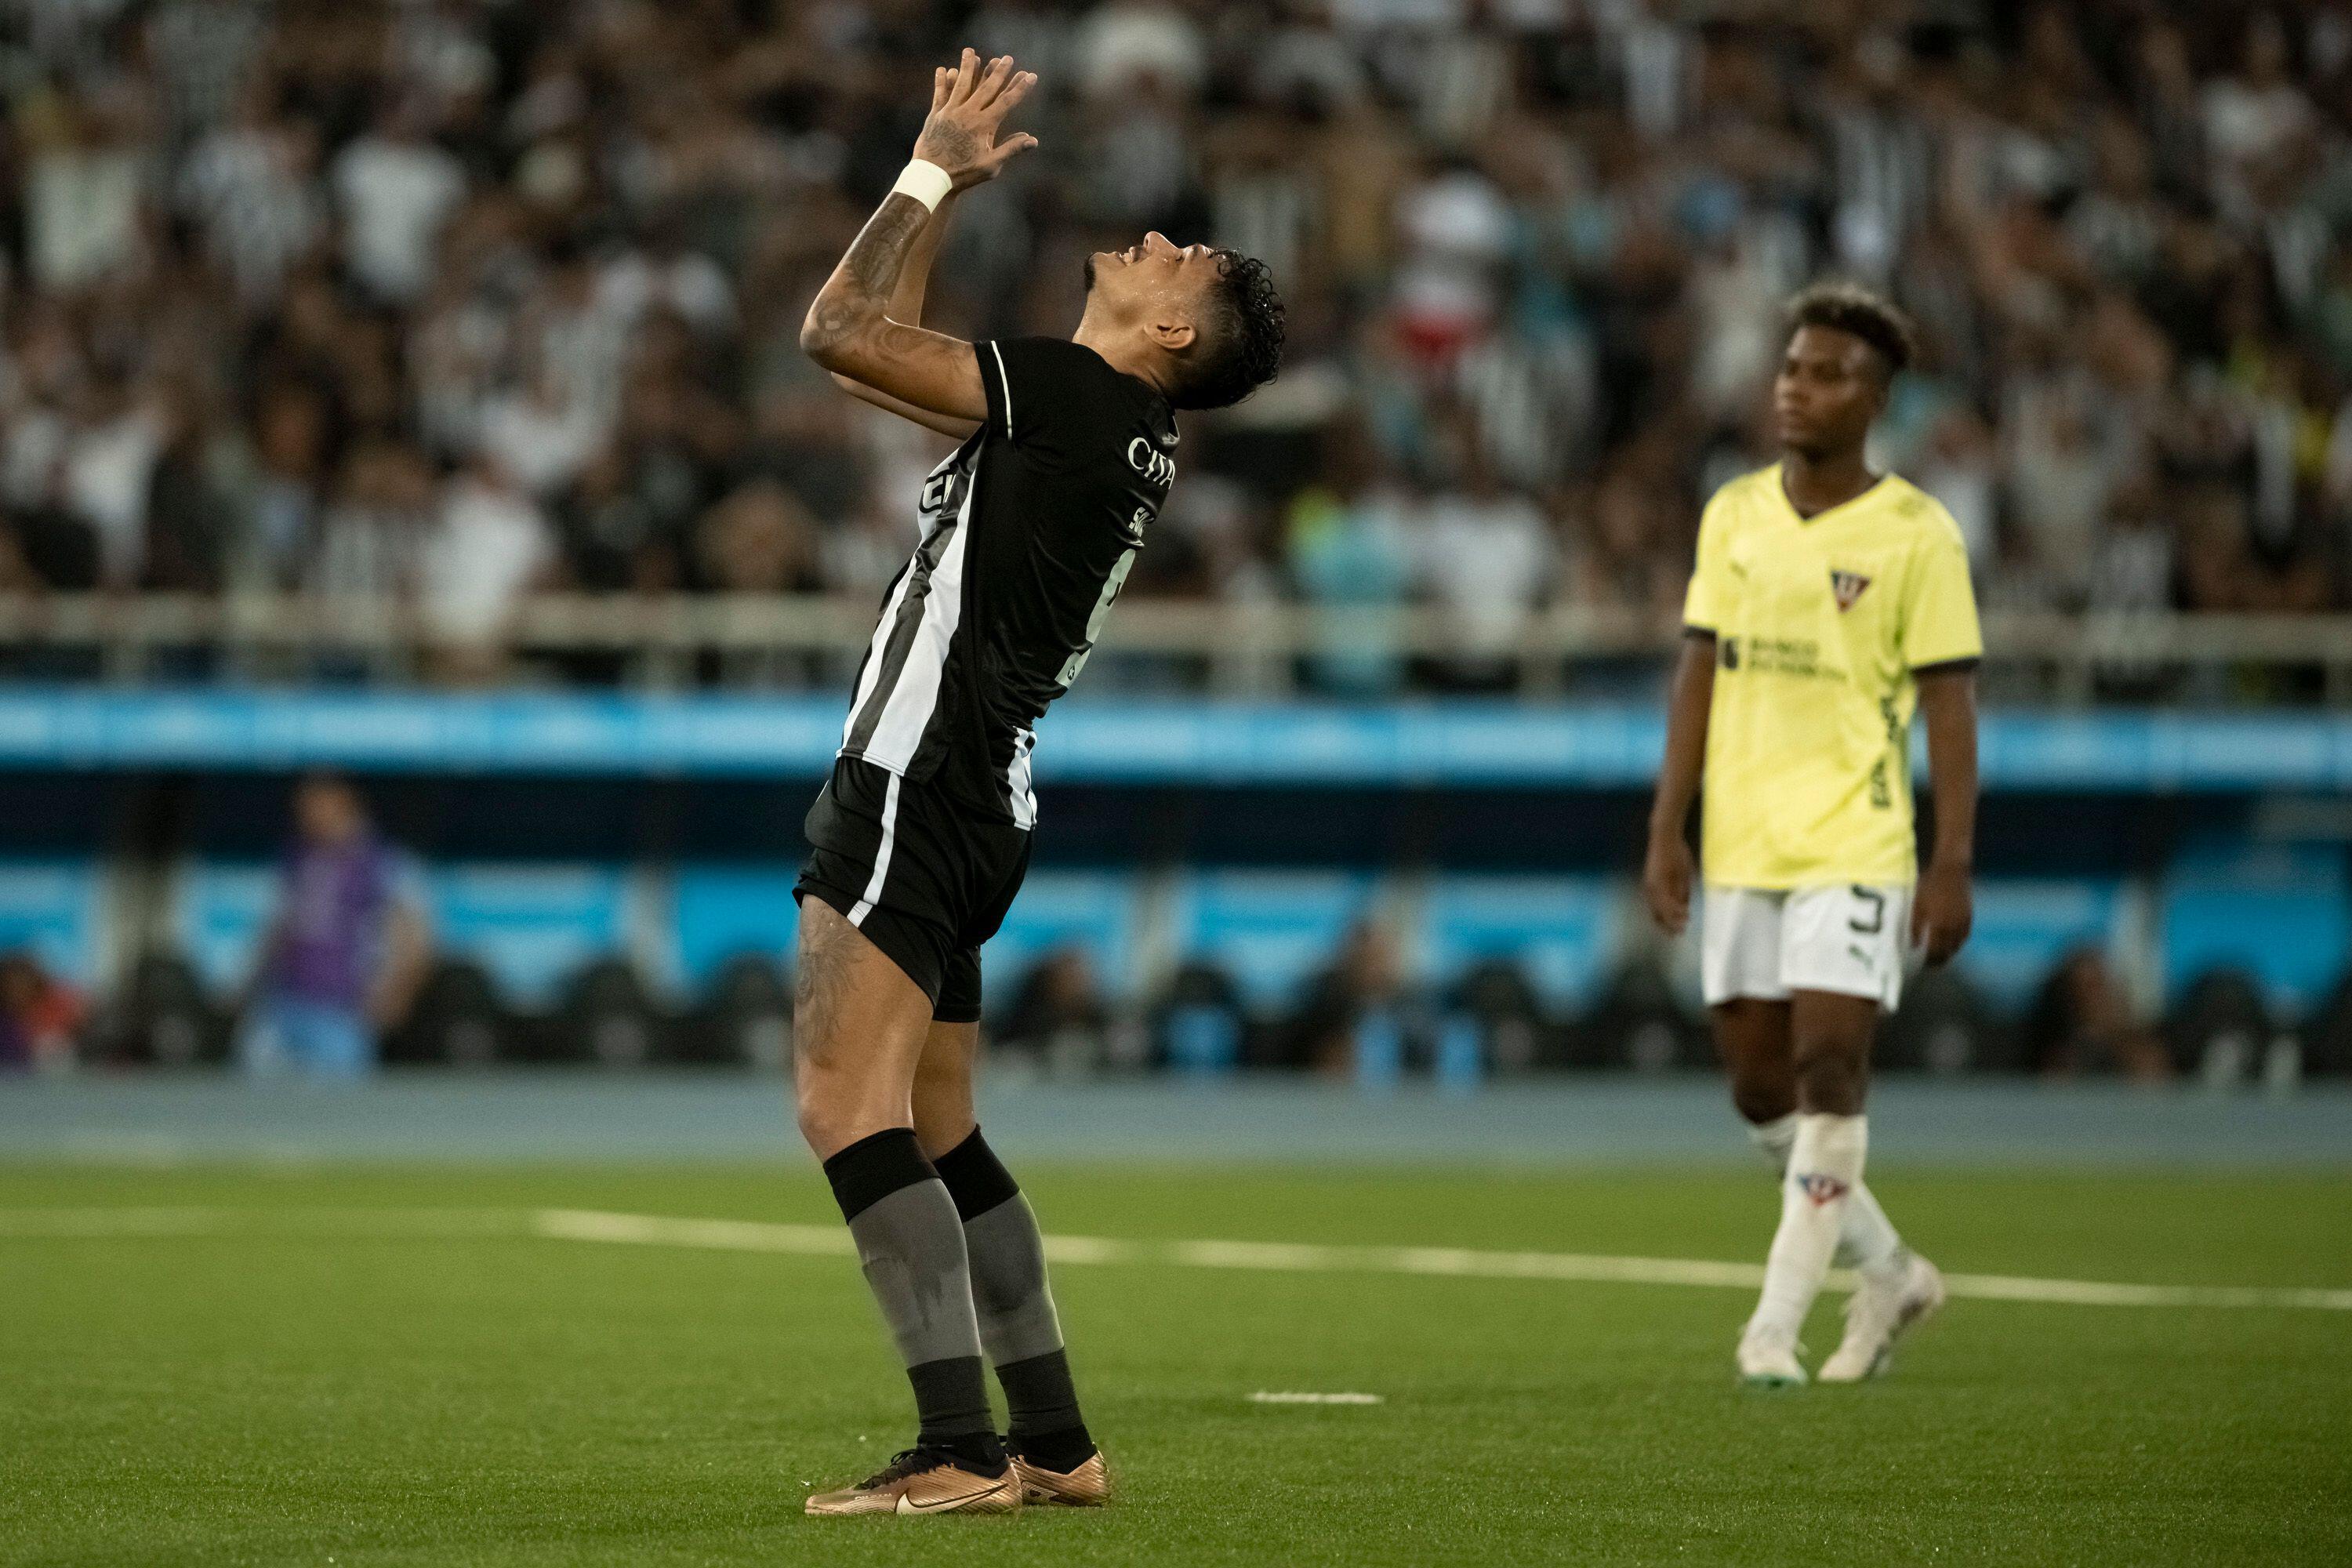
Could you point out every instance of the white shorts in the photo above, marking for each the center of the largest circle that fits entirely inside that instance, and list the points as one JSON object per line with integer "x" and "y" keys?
{"x": 1768, "y": 941}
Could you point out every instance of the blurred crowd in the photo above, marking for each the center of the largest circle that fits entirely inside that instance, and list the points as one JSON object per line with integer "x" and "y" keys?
{"x": 452, "y": 302}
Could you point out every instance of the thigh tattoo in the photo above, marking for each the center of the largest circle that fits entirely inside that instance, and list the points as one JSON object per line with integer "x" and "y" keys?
{"x": 824, "y": 959}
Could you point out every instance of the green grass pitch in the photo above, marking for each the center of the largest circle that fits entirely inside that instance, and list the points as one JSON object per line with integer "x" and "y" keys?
{"x": 378, "y": 1367}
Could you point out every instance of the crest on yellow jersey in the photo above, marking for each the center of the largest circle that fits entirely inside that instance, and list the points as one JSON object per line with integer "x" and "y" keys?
{"x": 1848, "y": 587}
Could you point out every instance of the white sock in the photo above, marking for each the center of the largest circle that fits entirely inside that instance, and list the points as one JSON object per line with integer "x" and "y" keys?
{"x": 1867, "y": 1240}
{"x": 1824, "y": 1169}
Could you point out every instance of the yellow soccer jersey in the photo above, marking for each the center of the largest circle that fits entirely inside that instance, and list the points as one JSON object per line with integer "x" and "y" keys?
{"x": 1819, "y": 625}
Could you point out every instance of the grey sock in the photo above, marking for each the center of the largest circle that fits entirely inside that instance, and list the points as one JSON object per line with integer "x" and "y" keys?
{"x": 1015, "y": 1305}
{"x": 911, "y": 1247}
{"x": 1018, "y": 1325}
{"x": 910, "y": 1244}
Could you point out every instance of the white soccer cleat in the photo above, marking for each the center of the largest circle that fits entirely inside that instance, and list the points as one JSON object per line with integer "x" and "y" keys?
{"x": 1770, "y": 1361}
{"x": 1877, "y": 1315}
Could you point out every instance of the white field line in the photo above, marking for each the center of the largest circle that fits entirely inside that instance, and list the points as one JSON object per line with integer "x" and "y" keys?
{"x": 1287, "y": 1396}
{"x": 577, "y": 1225}
{"x": 1301, "y": 1258}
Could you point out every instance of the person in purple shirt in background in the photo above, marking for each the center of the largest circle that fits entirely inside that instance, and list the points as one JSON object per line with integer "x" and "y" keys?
{"x": 345, "y": 949}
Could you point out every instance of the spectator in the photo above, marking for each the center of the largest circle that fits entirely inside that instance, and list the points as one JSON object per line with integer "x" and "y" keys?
{"x": 1059, "y": 1014}
{"x": 394, "y": 189}
{"x": 1349, "y": 555}
{"x": 371, "y": 537}
{"x": 41, "y": 1017}
{"x": 345, "y": 950}
{"x": 760, "y": 539}
{"x": 1485, "y": 559}
{"x": 85, "y": 193}
{"x": 2083, "y": 1021}
{"x": 1357, "y": 1017}
{"x": 252, "y": 188}
{"x": 108, "y": 466}
{"x": 1522, "y": 257}
{"x": 487, "y": 546}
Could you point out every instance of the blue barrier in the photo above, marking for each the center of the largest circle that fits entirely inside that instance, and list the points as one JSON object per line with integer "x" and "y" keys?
{"x": 1463, "y": 744}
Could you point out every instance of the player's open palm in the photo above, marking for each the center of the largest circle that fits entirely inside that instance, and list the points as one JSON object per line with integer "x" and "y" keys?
{"x": 969, "y": 102}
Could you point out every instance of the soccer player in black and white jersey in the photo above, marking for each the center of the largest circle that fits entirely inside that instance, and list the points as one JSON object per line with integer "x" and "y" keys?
{"x": 920, "y": 837}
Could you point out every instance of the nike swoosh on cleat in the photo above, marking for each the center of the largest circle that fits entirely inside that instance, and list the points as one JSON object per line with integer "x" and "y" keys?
{"x": 907, "y": 1504}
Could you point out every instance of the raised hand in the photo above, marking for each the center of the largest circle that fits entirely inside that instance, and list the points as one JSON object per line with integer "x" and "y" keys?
{"x": 969, "y": 102}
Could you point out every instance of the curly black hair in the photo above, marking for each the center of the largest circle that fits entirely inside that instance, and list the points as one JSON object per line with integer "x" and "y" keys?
{"x": 1240, "y": 345}
{"x": 1851, "y": 309}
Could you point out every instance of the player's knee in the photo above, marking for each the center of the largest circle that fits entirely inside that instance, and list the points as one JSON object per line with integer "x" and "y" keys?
{"x": 1761, "y": 1098}
{"x": 830, "y": 1118}
{"x": 818, "y": 1121}
{"x": 1831, "y": 1079}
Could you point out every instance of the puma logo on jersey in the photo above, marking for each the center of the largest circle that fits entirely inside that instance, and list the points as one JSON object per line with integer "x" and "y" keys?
{"x": 1848, "y": 587}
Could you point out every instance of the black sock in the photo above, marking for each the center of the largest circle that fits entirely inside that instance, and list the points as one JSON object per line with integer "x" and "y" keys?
{"x": 911, "y": 1244}
{"x": 1017, "y": 1321}
{"x": 952, "y": 1401}
{"x": 1046, "y": 1427}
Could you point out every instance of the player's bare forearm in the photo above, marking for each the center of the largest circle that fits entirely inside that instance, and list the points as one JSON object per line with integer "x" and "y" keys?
{"x": 1667, "y": 867}
{"x": 850, "y": 330}
{"x": 906, "y": 305}
{"x": 1944, "y": 908}
{"x": 1689, "y": 699}
{"x": 1947, "y": 702}
{"x": 915, "y": 276}
{"x": 856, "y": 299}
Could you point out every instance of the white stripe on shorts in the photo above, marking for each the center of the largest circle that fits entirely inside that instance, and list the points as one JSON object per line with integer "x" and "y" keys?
{"x": 873, "y": 893}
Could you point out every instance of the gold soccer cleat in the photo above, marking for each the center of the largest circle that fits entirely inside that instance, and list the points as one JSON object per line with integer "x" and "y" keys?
{"x": 1088, "y": 1486}
{"x": 923, "y": 1480}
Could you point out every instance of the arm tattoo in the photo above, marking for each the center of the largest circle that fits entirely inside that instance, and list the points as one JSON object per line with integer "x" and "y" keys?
{"x": 860, "y": 288}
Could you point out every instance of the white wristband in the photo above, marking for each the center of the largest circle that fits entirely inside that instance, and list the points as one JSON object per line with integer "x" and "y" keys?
{"x": 926, "y": 183}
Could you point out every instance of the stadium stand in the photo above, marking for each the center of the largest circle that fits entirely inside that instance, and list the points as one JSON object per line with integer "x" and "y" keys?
{"x": 219, "y": 910}
{"x": 466, "y": 363}
{"x": 2024, "y": 925}
{"x": 54, "y": 910}
{"x": 1270, "y": 930}
{"x": 723, "y": 911}
{"x": 1559, "y": 932}
{"x": 2279, "y": 913}
{"x": 535, "y": 926}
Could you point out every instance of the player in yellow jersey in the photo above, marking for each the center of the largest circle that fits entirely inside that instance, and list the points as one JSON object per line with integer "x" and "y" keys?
{"x": 1826, "y": 602}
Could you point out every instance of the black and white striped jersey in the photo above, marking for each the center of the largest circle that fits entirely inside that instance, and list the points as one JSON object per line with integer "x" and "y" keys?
{"x": 1028, "y": 532}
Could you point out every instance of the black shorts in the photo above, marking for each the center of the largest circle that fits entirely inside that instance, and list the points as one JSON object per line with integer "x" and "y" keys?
{"x": 925, "y": 880}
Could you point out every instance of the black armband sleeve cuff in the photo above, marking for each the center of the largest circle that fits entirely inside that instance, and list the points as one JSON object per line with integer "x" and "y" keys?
{"x": 1948, "y": 666}
{"x": 1693, "y": 629}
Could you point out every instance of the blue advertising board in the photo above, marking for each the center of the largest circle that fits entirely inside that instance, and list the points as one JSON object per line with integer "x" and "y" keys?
{"x": 1453, "y": 744}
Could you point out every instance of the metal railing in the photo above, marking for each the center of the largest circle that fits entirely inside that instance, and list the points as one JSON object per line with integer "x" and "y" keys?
{"x": 1234, "y": 648}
